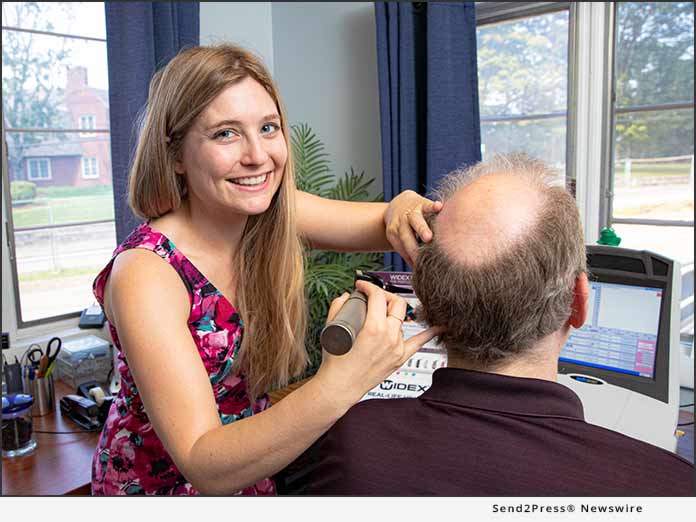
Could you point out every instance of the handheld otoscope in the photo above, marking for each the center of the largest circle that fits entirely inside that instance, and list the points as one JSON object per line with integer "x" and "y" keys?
{"x": 338, "y": 335}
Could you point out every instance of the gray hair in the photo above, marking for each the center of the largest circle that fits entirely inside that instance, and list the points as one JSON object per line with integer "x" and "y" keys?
{"x": 494, "y": 311}
{"x": 518, "y": 164}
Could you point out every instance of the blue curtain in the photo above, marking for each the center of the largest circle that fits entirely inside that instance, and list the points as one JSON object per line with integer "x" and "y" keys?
{"x": 141, "y": 37}
{"x": 428, "y": 94}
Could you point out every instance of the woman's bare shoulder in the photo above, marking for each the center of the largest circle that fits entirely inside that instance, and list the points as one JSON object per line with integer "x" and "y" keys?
{"x": 143, "y": 277}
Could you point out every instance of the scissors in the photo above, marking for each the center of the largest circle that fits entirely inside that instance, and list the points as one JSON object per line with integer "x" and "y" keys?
{"x": 35, "y": 355}
{"x": 50, "y": 356}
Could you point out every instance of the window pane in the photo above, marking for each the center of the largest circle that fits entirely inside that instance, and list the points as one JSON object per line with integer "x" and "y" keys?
{"x": 59, "y": 181}
{"x": 51, "y": 82}
{"x": 676, "y": 243}
{"x": 75, "y": 18}
{"x": 654, "y": 53}
{"x": 66, "y": 197}
{"x": 544, "y": 139}
{"x": 523, "y": 65}
{"x": 56, "y": 267}
{"x": 653, "y": 171}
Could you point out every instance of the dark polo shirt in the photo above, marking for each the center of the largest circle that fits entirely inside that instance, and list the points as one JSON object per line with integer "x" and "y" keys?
{"x": 481, "y": 434}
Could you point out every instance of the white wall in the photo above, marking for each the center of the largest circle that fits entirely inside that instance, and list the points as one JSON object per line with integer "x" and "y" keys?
{"x": 324, "y": 60}
{"x": 326, "y": 68}
{"x": 245, "y": 23}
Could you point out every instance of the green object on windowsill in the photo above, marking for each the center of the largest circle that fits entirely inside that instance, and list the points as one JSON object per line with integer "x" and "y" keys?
{"x": 608, "y": 237}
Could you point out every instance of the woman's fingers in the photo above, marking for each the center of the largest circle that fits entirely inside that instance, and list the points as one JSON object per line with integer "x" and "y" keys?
{"x": 376, "y": 301}
{"x": 396, "y": 306}
{"x": 336, "y": 305}
{"x": 418, "y": 223}
{"x": 431, "y": 207}
{"x": 405, "y": 219}
{"x": 409, "y": 243}
{"x": 416, "y": 342}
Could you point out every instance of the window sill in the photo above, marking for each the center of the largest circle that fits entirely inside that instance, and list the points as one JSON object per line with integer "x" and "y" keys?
{"x": 41, "y": 334}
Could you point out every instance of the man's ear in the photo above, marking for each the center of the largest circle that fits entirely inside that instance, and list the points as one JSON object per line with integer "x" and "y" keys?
{"x": 581, "y": 296}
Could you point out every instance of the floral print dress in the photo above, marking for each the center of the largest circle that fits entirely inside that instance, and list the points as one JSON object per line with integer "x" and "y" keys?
{"x": 130, "y": 459}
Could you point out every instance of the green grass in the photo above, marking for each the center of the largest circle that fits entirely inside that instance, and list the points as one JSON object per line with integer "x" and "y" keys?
{"x": 68, "y": 192}
{"x": 64, "y": 210}
{"x": 649, "y": 170}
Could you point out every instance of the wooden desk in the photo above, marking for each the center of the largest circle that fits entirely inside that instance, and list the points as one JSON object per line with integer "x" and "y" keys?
{"x": 60, "y": 464}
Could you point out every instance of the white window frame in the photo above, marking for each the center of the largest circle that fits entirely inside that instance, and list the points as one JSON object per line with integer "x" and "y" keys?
{"x": 87, "y": 122}
{"x": 591, "y": 142}
{"x": 89, "y": 162}
{"x": 39, "y": 161}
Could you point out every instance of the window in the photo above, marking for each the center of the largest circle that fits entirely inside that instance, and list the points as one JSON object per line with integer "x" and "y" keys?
{"x": 544, "y": 82}
{"x": 523, "y": 80}
{"x": 54, "y": 86}
{"x": 87, "y": 122}
{"x": 38, "y": 169}
{"x": 651, "y": 192}
{"x": 90, "y": 168}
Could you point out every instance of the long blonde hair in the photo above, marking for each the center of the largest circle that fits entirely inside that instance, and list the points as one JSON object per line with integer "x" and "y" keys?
{"x": 270, "y": 297}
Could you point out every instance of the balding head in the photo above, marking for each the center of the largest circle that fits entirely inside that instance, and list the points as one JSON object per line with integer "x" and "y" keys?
{"x": 485, "y": 218}
{"x": 500, "y": 271}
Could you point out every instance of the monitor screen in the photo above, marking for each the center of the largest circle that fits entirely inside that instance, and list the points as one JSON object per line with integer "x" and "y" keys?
{"x": 620, "y": 333}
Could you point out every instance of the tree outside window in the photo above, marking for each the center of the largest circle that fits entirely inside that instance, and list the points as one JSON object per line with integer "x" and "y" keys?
{"x": 55, "y": 86}
{"x": 652, "y": 188}
{"x": 523, "y": 85}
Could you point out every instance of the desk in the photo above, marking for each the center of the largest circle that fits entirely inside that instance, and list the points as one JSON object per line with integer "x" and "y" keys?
{"x": 60, "y": 464}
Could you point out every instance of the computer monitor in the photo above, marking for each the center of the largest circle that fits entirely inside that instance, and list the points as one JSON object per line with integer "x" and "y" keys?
{"x": 624, "y": 362}
{"x": 630, "y": 328}
{"x": 620, "y": 333}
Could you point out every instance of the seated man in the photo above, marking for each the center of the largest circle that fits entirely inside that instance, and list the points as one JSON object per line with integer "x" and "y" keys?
{"x": 505, "y": 276}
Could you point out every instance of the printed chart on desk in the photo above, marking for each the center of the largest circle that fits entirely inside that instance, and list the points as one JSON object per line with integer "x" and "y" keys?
{"x": 415, "y": 375}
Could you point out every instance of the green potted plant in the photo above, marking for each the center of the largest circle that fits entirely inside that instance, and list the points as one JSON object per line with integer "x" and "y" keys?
{"x": 327, "y": 274}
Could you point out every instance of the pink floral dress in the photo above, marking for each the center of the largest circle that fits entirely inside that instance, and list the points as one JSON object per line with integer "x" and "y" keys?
{"x": 130, "y": 458}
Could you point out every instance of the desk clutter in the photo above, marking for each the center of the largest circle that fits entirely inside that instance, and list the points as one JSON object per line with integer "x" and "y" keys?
{"x": 87, "y": 358}
{"x": 85, "y": 364}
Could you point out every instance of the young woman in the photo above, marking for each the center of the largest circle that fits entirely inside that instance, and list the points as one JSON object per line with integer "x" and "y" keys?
{"x": 205, "y": 301}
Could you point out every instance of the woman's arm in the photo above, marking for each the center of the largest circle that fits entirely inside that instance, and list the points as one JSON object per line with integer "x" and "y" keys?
{"x": 178, "y": 398}
{"x": 329, "y": 224}
{"x": 343, "y": 226}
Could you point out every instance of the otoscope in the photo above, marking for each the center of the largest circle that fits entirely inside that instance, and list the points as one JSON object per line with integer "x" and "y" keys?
{"x": 338, "y": 335}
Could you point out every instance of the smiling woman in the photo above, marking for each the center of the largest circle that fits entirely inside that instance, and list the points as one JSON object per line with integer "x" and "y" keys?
{"x": 205, "y": 300}
{"x": 238, "y": 162}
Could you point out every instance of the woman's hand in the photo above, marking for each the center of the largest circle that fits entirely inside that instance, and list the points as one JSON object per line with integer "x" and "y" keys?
{"x": 404, "y": 220}
{"x": 378, "y": 351}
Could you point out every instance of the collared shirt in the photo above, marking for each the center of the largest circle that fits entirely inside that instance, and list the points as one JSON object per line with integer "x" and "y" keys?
{"x": 482, "y": 434}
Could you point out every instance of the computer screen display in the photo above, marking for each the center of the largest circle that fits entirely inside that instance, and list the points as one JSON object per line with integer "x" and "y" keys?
{"x": 620, "y": 333}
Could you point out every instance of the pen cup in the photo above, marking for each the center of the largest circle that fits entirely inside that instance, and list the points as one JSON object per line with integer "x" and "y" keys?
{"x": 43, "y": 392}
